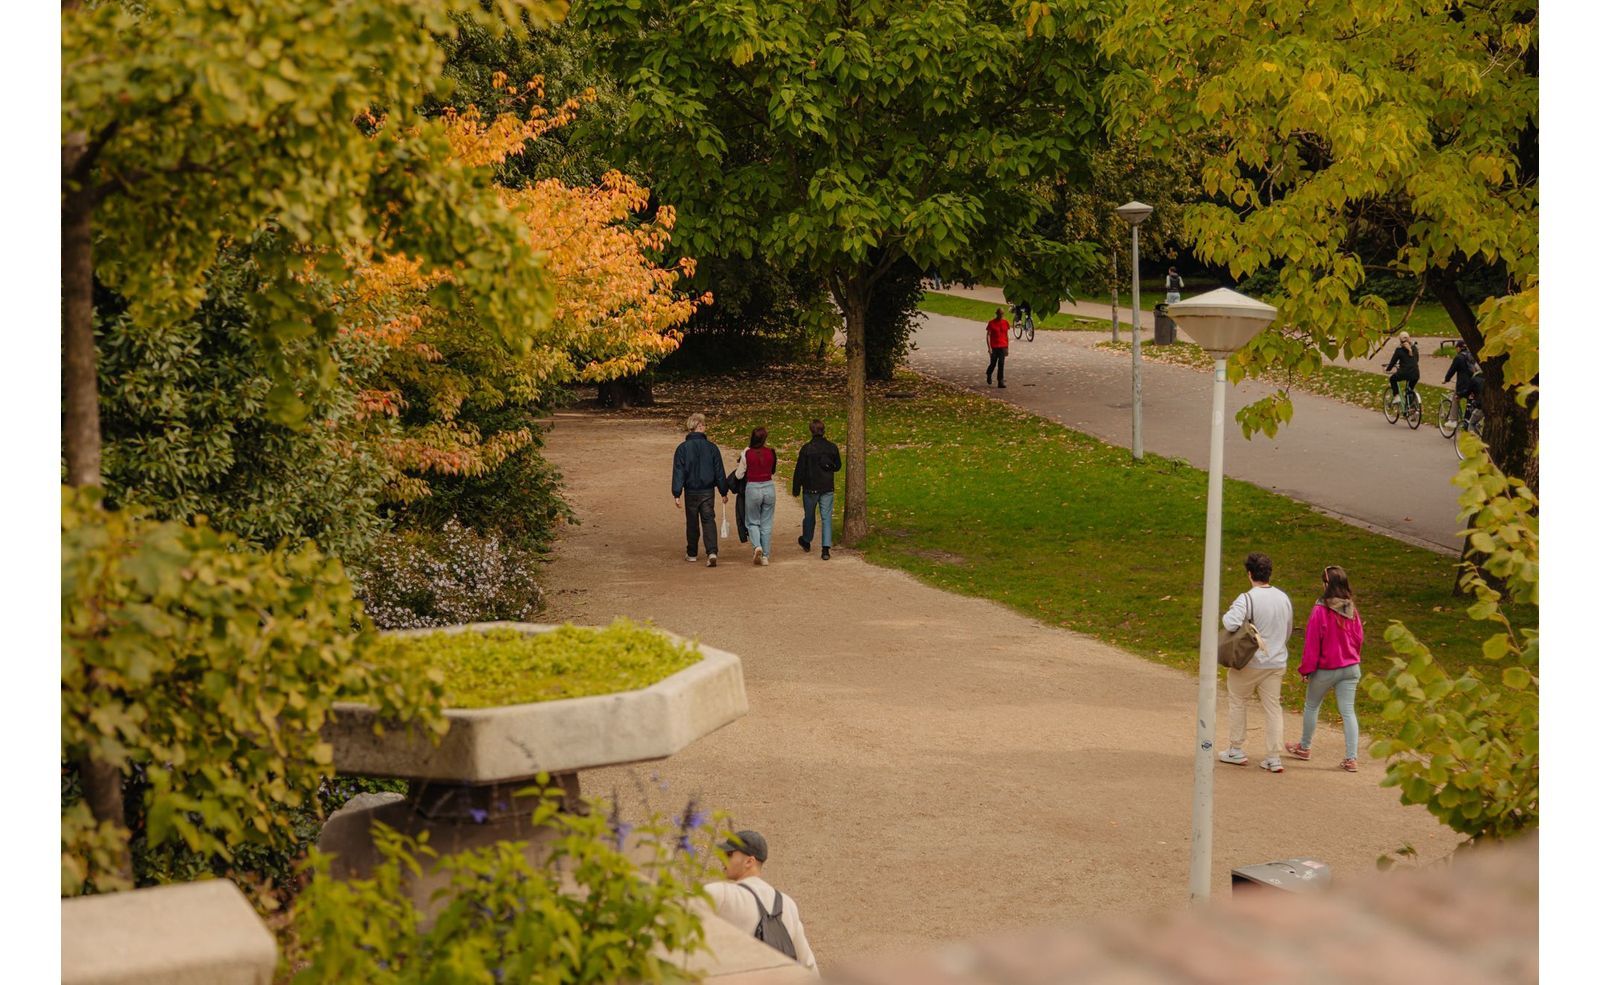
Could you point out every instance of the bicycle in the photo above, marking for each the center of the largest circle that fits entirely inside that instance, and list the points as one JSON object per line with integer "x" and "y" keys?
{"x": 1450, "y": 414}
{"x": 1471, "y": 422}
{"x": 1406, "y": 404}
{"x": 1024, "y": 322}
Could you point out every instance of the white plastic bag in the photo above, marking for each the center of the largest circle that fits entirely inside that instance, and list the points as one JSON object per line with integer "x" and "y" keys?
{"x": 725, "y": 521}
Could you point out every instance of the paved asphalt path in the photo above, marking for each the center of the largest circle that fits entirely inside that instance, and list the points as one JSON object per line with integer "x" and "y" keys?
{"x": 1346, "y": 461}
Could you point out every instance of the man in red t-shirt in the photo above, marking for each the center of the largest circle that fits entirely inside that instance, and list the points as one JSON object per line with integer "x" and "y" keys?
{"x": 999, "y": 340}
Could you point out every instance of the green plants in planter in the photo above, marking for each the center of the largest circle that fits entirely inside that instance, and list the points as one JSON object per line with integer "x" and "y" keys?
{"x": 610, "y": 902}
{"x": 505, "y": 666}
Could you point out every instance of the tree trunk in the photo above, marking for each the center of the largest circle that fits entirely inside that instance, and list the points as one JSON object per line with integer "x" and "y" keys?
{"x": 855, "y": 459}
{"x": 1510, "y": 430}
{"x": 1116, "y": 315}
{"x": 80, "y": 417}
{"x": 80, "y": 424}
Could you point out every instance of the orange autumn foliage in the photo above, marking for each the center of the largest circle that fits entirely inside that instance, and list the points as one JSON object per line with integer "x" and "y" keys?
{"x": 617, "y": 311}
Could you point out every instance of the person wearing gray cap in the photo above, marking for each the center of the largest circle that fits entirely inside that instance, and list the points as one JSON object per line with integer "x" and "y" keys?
{"x": 750, "y": 903}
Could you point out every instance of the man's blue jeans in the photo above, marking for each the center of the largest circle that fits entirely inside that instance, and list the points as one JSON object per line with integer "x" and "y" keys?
{"x": 812, "y": 501}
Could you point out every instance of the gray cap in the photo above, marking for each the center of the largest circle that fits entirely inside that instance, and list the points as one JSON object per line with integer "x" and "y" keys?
{"x": 749, "y": 842}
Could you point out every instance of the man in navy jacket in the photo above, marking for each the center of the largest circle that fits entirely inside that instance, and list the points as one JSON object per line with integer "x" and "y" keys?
{"x": 697, "y": 476}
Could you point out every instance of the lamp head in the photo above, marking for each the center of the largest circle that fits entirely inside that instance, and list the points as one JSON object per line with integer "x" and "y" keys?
{"x": 1222, "y": 321}
{"x": 1134, "y": 212}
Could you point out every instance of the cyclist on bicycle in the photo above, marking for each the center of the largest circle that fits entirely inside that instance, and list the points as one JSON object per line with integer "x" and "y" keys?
{"x": 1464, "y": 369}
{"x": 1405, "y": 357}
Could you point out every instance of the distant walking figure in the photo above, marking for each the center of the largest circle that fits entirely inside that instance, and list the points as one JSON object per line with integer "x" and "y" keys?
{"x": 813, "y": 482}
{"x": 697, "y": 476}
{"x": 759, "y": 463}
{"x": 1332, "y": 661}
{"x": 999, "y": 331}
{"x": 1174, "y": 285}
{"x": 1262, "y": 677}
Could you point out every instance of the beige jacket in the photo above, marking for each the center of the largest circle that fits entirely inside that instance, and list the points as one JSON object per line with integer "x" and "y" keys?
{"x": 735, "y": 906}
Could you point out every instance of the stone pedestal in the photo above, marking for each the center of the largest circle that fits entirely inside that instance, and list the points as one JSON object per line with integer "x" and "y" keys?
{"x": 197, "y": 933}
{"x": 463, "y": 790}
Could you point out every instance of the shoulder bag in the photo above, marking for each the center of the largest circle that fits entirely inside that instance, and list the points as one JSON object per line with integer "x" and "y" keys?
{"x": 1235, "y": 647}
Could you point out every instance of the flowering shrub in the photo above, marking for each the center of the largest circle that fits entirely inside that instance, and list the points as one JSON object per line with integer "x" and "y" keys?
{"x": 419, "y": 578}
{"x": 587, "y": 912}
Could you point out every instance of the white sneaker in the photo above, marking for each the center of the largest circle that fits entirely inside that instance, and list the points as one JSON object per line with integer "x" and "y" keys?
{"x": 763, "y": 560}
{"x": 1234, "y": 757}
{"x": 689, "y": 557}
{"x": 758, "y": 558}
{"x": 711, "y": 560}
{"x": 1273, "y": 765}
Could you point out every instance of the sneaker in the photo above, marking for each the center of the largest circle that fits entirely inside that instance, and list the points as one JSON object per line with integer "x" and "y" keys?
{"x": 1001, "y": 387}
{"x": 1273, "y": 765}
{"x": 1233, "y": 757}
{"x": 805, "y": 545}
{"x": 689, "y": 557}
{"x": 757, "y": 558}
{"x": 711, "y": 560}
{"x": 1298, "y": 751}
{"x": 1349, "y": 766}
{"x": 825, "y": 554}
{"x": 989, "y": 380}
{"x": 764, "y": 560}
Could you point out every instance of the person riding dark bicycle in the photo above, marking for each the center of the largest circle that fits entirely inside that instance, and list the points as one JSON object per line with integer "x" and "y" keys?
{"x": 1464, "y": 369}
{"x": 1406, "y": 357}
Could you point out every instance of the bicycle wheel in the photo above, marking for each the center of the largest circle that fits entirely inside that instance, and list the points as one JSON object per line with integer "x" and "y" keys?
{"x": 1447, "y": 416}
{"x": 1473, "y": 425}
{"x": 1016, "y": 329}
{"x": 1030, "y": 329}
{"x": 1391, "y": 406}
{"x": 1413, "y": 409}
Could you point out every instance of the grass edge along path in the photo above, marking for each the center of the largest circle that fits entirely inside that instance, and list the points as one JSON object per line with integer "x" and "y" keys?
{"x": 977, "y": 497}
{"x": 973, "y": 309}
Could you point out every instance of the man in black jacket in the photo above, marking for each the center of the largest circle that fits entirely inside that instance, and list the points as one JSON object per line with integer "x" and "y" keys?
{"x": 1468, "y": 375}
{"x": 697, "y": 476}
{"x": 813, "y": 475}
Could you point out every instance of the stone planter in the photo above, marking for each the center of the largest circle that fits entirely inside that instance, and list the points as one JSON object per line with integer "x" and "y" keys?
{"x": 463, "y": 791}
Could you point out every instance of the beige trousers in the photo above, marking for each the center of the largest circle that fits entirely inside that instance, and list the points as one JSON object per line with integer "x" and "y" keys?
{"x": 1267, "y": 684}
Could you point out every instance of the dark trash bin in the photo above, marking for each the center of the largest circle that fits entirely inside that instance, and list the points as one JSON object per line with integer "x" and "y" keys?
{"x": 1166, "y": 328}
{"x": 1294, "y": 875}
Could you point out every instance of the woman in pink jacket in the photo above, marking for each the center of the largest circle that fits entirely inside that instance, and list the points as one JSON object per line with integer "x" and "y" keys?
{"x": 1332, "y": 661}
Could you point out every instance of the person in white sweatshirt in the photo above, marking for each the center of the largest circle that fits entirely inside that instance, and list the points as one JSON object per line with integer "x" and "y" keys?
{"x": 746, "y": 898}
{"x": 1273, "y": 615}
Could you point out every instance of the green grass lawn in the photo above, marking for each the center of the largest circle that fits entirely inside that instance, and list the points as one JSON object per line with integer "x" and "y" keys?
{"x": 982, "y": 311}
{"x": 1352, "y": 386}
{"x": 1427, "y": 321}
{"x": 976, "y": 497}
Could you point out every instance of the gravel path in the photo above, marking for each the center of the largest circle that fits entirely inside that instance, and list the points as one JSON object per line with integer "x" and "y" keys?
{"x": 926, "y": 766}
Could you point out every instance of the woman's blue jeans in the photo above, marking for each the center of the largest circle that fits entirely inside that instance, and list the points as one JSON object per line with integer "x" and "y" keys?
{"x": 759, "y": 500}
{"x": 1342, "y": 681}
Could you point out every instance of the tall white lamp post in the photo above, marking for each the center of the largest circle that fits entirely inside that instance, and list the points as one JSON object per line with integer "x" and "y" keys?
{"x": 1133, "y": 214}
{"x": 1221, "y": 321}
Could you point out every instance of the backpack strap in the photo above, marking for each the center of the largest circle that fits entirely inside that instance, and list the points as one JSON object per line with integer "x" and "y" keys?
{"x": 777, "y": 903}
{"x": 757, "y": 897}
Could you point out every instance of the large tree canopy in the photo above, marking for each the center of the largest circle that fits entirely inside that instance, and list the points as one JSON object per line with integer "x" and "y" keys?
{"x": 841, "y": 138}
{"x": 1355, "y": 135}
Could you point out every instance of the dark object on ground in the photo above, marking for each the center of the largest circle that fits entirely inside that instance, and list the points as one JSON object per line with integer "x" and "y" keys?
{"x": 1293, "y": 875}
{"x": 1166, "y": 328}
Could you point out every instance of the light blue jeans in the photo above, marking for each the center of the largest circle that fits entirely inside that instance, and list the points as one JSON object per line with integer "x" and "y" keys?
{"x": 817, "y": 503}
{"x": 759, "y": 500}
{"x": 1342, "y": 681}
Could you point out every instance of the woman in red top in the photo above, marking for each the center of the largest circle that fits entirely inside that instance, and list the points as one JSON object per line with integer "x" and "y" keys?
{"x": 999, "y": 344}
{"x": 759, "y": 463}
